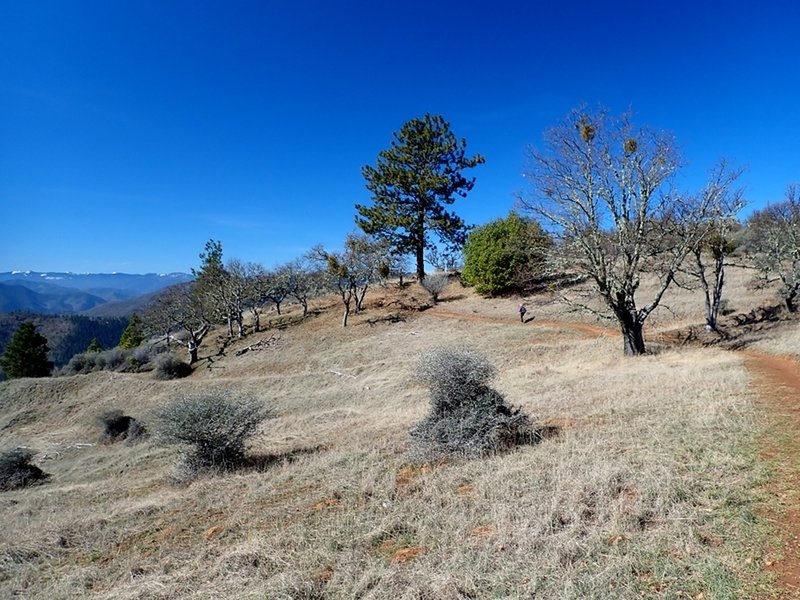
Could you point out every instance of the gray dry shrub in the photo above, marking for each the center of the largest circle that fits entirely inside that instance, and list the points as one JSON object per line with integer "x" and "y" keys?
{"x": 435, "y": 283}
{"x": 211, "y": 428}
{"x": 169, "y": 366}
{"x": 113, "y": 359}
{"x": 144, "y": 354}
{"x": 118, "y": 426}
{"x": 17, "y": 471}
{"x": 467, "y": 418}
{"x": 79, "y": 364}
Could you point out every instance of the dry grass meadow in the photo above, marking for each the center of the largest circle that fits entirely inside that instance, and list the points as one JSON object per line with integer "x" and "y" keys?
{"x": 650, "y": 487}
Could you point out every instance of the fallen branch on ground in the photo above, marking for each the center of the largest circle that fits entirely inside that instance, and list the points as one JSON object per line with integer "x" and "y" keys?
{"x": 259, "y": 345}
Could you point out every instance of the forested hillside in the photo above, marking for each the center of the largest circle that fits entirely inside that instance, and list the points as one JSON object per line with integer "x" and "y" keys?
{"x": 66, "y": 335}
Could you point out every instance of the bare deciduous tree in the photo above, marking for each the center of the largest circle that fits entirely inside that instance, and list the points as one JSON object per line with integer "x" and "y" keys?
{"x": 352, "y": 271}
{"x": 257, "y": 290}
{"x": 305, "y": 281}
{"x": 447, "y": 258}
{"x": 719, "y": 242}
{"x": 236, "y": 293}
{"x": 181, "y": 308}
{"x": 774, "y": 241}
{"x": 604, "y": 186}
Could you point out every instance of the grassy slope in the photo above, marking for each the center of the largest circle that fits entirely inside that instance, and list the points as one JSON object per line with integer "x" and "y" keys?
{"x": 647, "y": 492}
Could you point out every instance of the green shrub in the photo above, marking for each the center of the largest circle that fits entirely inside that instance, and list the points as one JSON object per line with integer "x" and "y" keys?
{"x": 467, "y": 417}
{"x": 211, "y": 428}
{"x": 16, "y": 470}
{"x": 505, "y": 255}
{"x": 169, "y": 366}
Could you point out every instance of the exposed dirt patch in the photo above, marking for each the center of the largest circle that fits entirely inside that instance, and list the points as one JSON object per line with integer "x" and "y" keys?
{"x": 405, "y": 555}
{"x": 483, "y": 531}
{"x": 777, "y": 380}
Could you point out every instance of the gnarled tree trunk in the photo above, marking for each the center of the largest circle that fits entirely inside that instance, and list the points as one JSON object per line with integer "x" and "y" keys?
{"x": 632, "y": 333}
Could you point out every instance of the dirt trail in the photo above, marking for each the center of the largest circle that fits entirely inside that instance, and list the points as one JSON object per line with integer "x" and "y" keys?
{"x": 777, "y": 382}
{"x": 585, "y": 328}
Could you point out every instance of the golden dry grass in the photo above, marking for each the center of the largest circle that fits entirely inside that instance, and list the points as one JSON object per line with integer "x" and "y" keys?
{"x": 648, "y": 491}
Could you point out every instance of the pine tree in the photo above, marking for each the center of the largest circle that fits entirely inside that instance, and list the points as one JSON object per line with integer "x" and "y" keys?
{"x": 412, "y": 183}
{"x": 95, "y": 346}
{"x": 133, "y": 335}
{"x": 26, "y": 354}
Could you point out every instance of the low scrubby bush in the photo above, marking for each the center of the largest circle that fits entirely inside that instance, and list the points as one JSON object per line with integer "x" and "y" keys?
{"x": 467, "y": 418}
{"x": 169, "y": 366}
{"x": 114, "y": 359}
{"x": 144, "y": 354}
{"x": 118, "y": 426}
{"x": 211, "y": 429}
{"x": 434, "y": 284}
{"x": 76, "y": 365}
{"x": 17, "y": 471}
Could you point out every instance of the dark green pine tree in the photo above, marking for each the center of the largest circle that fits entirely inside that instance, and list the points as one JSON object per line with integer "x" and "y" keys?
{"x": 26, "y": 354}
{"x": 133, "y": 335}
{"x": 412, "y": 184}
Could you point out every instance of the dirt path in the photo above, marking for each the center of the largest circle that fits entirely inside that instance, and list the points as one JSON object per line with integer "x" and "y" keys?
{"x": 776, "y": 380}
{"x": 584, "y": 328}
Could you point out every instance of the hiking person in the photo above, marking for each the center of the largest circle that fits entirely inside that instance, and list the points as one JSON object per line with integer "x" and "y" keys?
{"x": 522, "y": 311}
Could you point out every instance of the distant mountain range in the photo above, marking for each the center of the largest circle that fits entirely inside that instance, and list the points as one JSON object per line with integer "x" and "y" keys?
{"x": 98, "y": 294}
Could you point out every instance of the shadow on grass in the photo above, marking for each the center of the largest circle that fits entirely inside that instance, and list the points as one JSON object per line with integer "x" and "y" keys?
{"x": 262, "y": 462}
{"x": 736, "y": 332}
{"x": 390, "y": 319}
{"x": 447, "y": 299}
{"x": 538, "y": 434}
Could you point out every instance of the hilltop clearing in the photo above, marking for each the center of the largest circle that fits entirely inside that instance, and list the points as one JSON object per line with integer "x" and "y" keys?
{"x": 651, "y": 484}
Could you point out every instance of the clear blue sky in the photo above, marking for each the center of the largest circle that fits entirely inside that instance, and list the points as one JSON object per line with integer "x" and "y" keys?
{"x": 133, "y": 131}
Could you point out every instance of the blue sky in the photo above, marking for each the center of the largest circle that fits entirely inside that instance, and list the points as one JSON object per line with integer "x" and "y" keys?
{"x": 133, "y": 131}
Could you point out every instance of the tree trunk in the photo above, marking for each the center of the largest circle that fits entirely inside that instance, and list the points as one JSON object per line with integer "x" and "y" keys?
{"x": 346, "y": 314}
{"x": 719, "y": 281}
{"x": 360, "y": 298}
{"x": 713, "y": 295}
{"x": 304, "y": 303}
{"x": 789, "y": 301}
{"x": 192, "y": 350}
{"x": 240, "y": 325}
{"x": 420, "y": 258}
{"x": 278, "y": 307}
{"x": 633, "y": 336}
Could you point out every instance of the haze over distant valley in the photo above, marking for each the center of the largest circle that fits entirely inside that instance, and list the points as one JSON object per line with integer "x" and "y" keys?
{"x": 100, "y": 294}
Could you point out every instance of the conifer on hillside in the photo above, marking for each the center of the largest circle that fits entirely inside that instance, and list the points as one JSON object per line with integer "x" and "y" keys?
{"x": 26, "y": 354}
{"x": 133, "y": 335}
